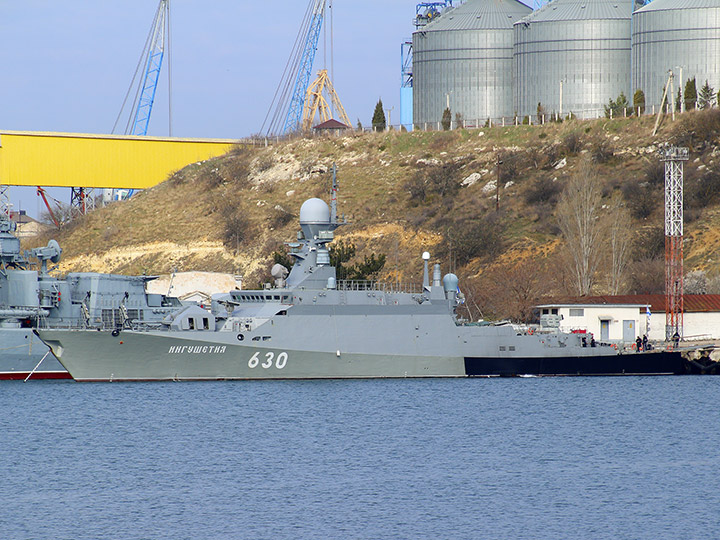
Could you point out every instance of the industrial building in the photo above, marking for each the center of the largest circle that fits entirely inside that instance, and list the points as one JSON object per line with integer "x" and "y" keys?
{"x": 678, "y": 35}
{"x": 573, "y": 56}
{"x": 497, "y": 59}
{"x": 462, "y": 60}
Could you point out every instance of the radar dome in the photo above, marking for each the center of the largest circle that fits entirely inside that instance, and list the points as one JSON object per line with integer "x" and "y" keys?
{"x": 314, "y": 211}
{"x": 278, "y": 271}
{"x": 450, "y": 283}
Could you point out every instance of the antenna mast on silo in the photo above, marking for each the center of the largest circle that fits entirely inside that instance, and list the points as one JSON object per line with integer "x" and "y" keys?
{"x": 673, "y": 157}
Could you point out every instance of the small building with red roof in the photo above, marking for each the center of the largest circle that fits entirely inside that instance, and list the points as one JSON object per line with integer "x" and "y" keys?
{"x": 626, "y": 317}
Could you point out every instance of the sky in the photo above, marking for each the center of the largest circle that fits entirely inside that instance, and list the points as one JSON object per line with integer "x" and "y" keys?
{"x": 66, "y": 65}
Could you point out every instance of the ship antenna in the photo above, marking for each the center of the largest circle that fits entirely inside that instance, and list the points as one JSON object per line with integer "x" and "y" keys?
{"x": 333, "y": 200}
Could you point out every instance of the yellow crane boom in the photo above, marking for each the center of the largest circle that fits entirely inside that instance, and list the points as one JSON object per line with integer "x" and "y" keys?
{"x": 315, "y": 102}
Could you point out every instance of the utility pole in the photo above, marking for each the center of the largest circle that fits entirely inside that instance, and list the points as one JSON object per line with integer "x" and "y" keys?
{"x": 673, "y": 157}
{"x": 668, "y": 85}
{"x": 682, "y": 91}
{"x": 389, "y": 111}
{"x": 497, "y": 184}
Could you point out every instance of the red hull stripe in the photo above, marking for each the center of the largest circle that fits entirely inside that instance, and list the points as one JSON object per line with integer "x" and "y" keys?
{"x": 20, "y": 376}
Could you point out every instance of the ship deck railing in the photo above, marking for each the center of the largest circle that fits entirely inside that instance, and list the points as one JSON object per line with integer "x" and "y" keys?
{"x": 380, "y": 286}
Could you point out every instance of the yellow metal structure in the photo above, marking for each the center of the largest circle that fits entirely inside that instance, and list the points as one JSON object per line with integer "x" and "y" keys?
{"x": 316, "y": 103}
{"x": 98, "y": 161}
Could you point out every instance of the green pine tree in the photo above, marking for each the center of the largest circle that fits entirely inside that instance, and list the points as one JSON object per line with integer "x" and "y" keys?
{"x": 639, "y": 101}
{"x": 378, "y": 120}
{"x": 690, "y": 94}
{"x": 446, "y": 119}
{"x": 617, "y": 107}
{"x": 706, "y": 96}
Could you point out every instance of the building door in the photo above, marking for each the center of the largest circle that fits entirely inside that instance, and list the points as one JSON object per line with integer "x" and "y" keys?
{"x": 628, "y": 331}
{"x": 604, "y": 330}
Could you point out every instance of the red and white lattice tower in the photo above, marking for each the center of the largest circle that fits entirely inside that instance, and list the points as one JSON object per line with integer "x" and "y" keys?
{"x": 673, "y": 157}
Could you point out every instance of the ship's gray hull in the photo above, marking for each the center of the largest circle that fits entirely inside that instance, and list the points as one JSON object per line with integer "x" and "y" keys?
{"x": 20, "y": 352}
{"x": 137, "y": 356}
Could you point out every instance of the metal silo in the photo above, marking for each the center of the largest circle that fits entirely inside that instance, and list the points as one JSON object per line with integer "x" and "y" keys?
{"x": 573, "y": 56}
{"x": 464, "y": 60}
{"x": 674, "y": 34}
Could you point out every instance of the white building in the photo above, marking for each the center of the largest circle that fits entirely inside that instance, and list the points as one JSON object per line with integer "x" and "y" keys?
{"x": 194, "y": 286}
{"x": 624, "y": 318}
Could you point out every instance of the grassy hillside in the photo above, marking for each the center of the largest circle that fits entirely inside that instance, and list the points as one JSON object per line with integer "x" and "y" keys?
{"x": 403, "y": 193}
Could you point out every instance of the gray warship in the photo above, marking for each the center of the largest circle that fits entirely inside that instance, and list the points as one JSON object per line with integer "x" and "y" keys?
{"x": 32, "y": 298}
{"x": 310, "y": 325}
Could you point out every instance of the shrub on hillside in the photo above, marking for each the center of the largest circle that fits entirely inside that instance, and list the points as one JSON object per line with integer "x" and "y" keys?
{"x": 697, "y": 129}
{"x": 602, "y": 151}
{"x": 543, "y": 190}
{"x": 704, "y": 190}
{"x": 443, "y": 180}
{"x": 641, "y": 199}
{"x": 573, "y": 143}
{"x": 655, "y": 173}
{"x": 481, "y": 237}
{"x": 649, "y": 243}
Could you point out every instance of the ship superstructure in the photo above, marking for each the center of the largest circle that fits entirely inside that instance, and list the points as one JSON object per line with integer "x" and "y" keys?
{"x": 32, "y": 297}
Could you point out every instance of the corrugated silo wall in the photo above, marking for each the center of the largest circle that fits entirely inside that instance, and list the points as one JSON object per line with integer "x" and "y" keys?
{"x": 591, "y": 57}
{"x": 473, "y": 66}
{"x": 669, "y": 39}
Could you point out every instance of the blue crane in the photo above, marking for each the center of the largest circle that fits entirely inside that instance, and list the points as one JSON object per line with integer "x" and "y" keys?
{"x": 297, "y": 102}
{"x": 151, "y": 61}
{"x": 286, "y": 110}
{"x": 155, "y": 55}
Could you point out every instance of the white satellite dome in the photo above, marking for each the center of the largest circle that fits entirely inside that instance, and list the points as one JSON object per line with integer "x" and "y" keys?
{"x": 314, "y": 211}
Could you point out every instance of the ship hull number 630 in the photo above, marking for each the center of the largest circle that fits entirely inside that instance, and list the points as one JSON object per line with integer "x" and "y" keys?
{"x": 266, "y": 360}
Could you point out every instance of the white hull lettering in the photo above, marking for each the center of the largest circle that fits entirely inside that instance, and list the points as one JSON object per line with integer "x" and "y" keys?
{"x": 197, "y": 349}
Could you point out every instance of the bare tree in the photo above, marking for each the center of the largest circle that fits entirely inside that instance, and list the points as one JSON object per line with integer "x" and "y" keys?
{"x": 578, "y": 215}
{"x": 618, "y": 230}
{"x": 696, "y": 282}
{"x": 512, "y": 290}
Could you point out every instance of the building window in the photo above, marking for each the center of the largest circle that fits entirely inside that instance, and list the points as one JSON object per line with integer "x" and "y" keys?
{"x": 577, "y": 312}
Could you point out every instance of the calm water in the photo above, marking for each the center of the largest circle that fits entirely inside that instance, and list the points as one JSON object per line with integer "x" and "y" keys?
{"x": 510, "y": 458}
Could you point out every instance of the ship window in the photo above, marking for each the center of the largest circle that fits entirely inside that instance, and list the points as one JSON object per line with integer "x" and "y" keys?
{"x": 511, "y": 347}
{"x": 577, "y": 312}
{"x": 546, "y": 311}
{"x": 256, "y": 338}
{"x": 206, "y": 323}
{"x": 502, "y": 347}
{"x": 267, "y": 338}
{"x": 554, "y": 311}
{"x": 191, "y": 323}
{"x": 276, "y": 297}
{"x": 283, "y": 312}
